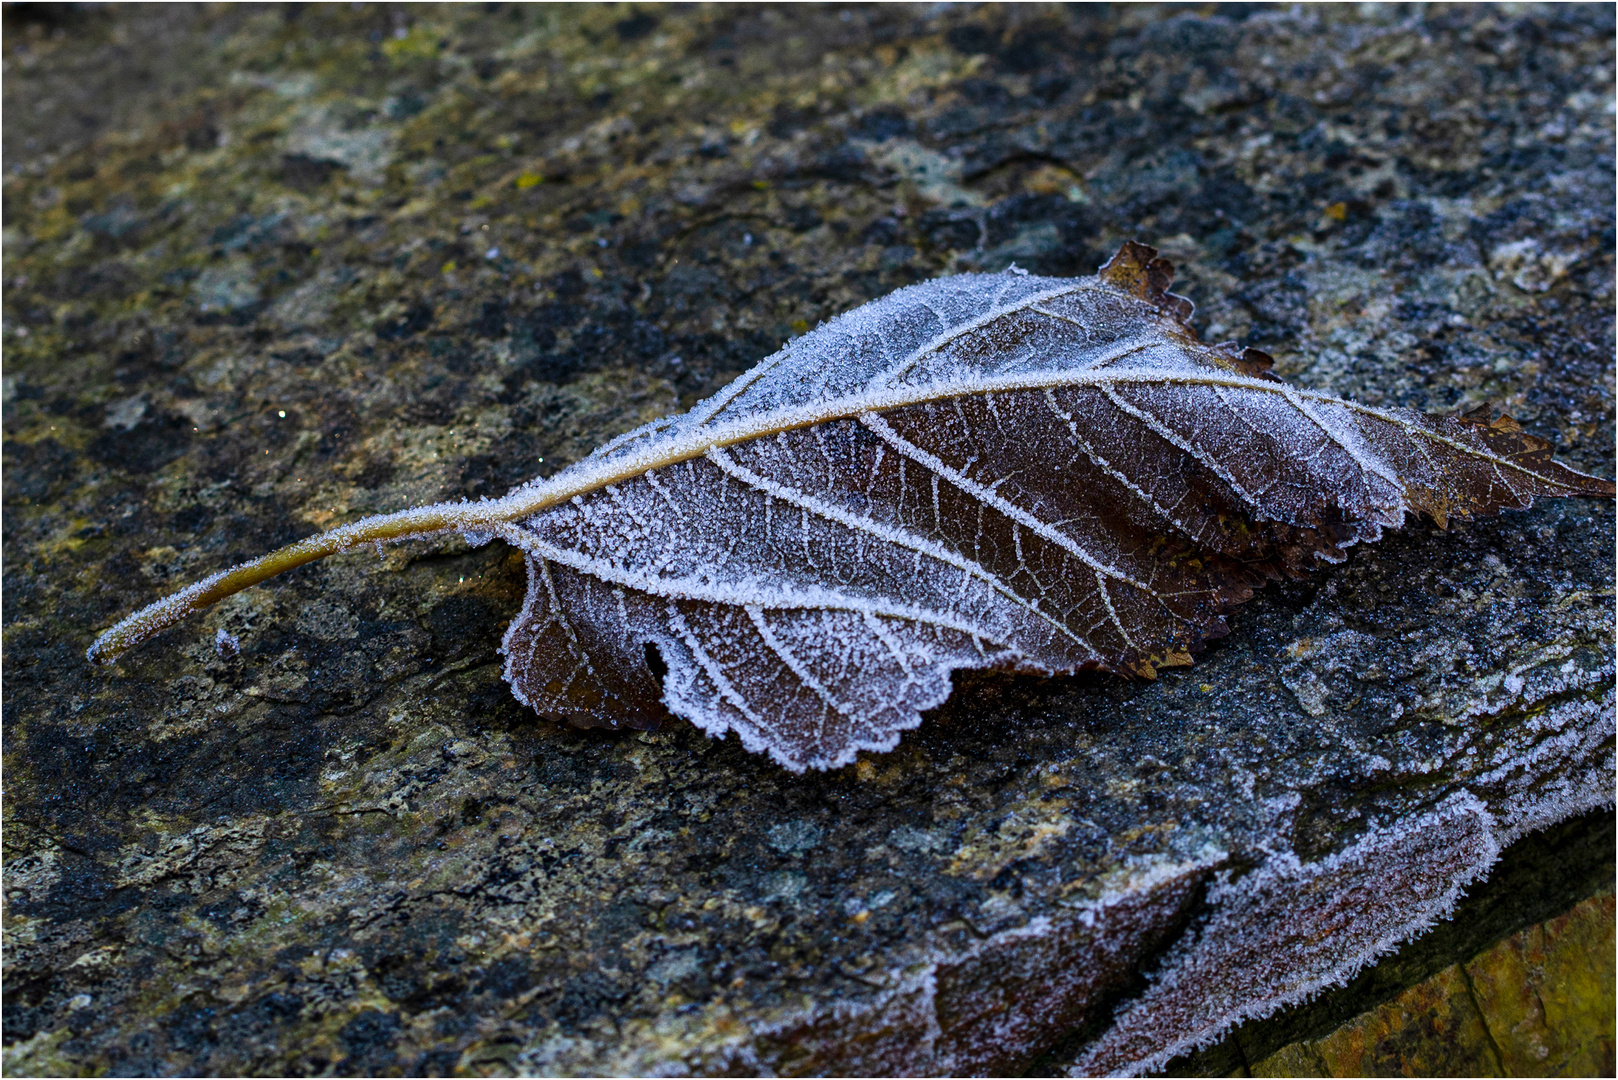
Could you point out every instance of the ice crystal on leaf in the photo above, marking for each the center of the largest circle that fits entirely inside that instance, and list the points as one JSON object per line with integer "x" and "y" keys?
{"x": 986, "y": 471}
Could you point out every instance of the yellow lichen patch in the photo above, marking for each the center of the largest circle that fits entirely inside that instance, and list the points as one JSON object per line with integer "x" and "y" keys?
{"x": 1547, "y": 994}
{"x": 1055, "y": 180}
{"x": 1025, "y": 833}
{"x": 420, "y": 42}
{"x": 37, "y": 1056}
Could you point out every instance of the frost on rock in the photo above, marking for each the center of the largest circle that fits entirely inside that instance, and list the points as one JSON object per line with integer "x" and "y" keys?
{"x": 1287, "y": 929}
{"x": 1270, "y": 925}
{"x": 226, "y": 644}
{"x": 1290, "y": 927}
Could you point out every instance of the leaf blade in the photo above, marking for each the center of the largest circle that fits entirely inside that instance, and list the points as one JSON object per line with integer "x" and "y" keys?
{"x": 931, "y": 467}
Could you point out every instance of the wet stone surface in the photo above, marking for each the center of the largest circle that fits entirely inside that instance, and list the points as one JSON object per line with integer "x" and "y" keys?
{"x": 269, "y": 269}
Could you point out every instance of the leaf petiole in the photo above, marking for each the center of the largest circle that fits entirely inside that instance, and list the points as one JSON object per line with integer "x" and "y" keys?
{"x": 407, "y": 524}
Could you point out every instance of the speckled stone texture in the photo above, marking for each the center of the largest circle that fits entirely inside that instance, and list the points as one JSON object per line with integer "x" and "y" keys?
{"x": 271, "y": 268}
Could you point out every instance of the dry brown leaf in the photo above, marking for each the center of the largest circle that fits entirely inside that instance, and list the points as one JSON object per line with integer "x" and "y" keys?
{"x": 1000, "y": 471}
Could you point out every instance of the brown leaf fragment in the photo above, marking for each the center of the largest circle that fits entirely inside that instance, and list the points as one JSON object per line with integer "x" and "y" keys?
{"x": 581, "y": 670}
{"x": 1246, "y": 361}
{"x": 998, "y": 471}
{"x": 1139, "y": 271}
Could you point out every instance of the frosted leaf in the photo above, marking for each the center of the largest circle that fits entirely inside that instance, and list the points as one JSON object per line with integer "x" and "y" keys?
{"x": 986, "y": 471}
{"x": 999, "y": 471}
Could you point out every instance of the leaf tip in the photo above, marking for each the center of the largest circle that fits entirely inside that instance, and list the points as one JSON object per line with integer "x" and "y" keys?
{"x": 1138, "y": 270}
{"x": 1504, "y": 436}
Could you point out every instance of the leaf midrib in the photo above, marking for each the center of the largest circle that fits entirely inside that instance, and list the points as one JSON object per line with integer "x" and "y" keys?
{"x": 591, "y": 475}
{"x": 534, "y": 498}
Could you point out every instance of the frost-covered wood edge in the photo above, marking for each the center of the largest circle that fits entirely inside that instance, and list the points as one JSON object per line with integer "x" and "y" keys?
{"x": 1288, "y": 930}
{"x": 1267, "y": 935}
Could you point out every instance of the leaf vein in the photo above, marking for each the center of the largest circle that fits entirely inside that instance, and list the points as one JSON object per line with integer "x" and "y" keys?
{"x": 988, "y": 497}
{"x": 898, "y": 537}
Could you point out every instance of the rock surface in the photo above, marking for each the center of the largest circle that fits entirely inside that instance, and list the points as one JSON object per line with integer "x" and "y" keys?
{"x": 272, "y": 268}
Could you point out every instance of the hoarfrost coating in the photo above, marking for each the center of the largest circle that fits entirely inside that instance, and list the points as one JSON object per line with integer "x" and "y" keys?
{"x": 1004, "y": 471}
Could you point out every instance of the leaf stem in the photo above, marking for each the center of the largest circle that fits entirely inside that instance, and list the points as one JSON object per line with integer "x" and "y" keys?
{"x": 407, "y": 524}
